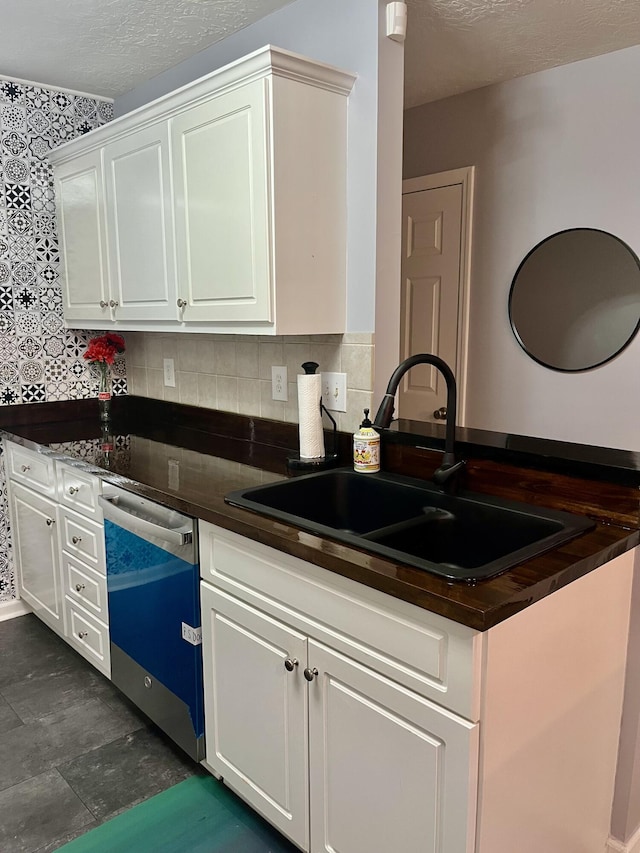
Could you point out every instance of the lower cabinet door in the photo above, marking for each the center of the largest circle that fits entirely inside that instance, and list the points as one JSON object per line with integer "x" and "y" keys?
{"x": 256, "y": 709}
{"x": 390, "y": 771}
{"x": 36, "y": 554}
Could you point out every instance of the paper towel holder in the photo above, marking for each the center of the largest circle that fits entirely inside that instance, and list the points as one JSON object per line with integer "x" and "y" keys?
{"x": 329, "y": 460}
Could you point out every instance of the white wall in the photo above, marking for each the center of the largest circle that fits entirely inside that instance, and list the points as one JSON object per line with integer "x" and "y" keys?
{"x": 345, "y": 34}
{"x": 553, "y": 150}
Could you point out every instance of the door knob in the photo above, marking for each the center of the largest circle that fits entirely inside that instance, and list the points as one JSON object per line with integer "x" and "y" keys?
{"x": 74, "y": 489}
{"x": 50, "y": 521}
{"x": 182, "y": 303}
{"x": 310, "y": 674}
{"x": 82, "y": 635}
{"x": 76, "y": 539}
{"x": 103, "y": 304}
{"x": 79, "y": 587}
{"x": 113, "y": 303}
{"x": 290, "y": 664}
{"x": 25, "y": 468}
{"x": 440, "y": 414}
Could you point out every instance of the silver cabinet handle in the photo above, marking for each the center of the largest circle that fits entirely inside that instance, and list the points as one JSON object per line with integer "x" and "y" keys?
{"x": 310, "y": 674}
{"x": 290, "y": 664}
{"x": 82, "y": 634}
{"x": 76, "y": 539}
{"x": 440, "y": 414}
{"x": 79, "y": 587}
{"x": 182, "y": 303}
{"x": 73, "y": 490}
{"x": 25, "y": 468}
{"x": 103, "y": 304}
{"x": 113, "y": 303}
{"x": 50, "y": 521}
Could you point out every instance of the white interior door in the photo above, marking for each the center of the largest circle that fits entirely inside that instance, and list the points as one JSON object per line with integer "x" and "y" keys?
{"x": 435, "y": 234}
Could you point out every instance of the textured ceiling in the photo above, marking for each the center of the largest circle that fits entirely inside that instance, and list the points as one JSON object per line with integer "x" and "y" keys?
{"x": 454, "y": 46}
{"x": 106, "y": 47}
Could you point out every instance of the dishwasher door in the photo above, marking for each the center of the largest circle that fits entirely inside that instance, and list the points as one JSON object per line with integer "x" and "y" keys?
{"x": 154, "y": 613}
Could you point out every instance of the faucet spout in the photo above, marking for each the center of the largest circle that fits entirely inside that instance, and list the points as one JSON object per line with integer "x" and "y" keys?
{"x": 384, "y": 415}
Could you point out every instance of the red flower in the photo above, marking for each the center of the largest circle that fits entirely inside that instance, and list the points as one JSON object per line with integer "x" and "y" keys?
{"x": 104, "y": 348}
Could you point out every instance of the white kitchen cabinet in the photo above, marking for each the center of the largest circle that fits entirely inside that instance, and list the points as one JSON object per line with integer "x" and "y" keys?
{"x": 233, "y": 186}
{"x": 423, "y": 735}
{"x": 140, "y": 225}
{"x": 59, "y": 551}
{"x": 83, "y": 565}
{"x": 35, "y": 541}
{"x": 378, "y": 766}
{"x": 79, "y": 188}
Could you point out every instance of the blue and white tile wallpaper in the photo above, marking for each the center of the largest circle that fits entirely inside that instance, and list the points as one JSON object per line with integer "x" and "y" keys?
{"x": 40, "y": 360}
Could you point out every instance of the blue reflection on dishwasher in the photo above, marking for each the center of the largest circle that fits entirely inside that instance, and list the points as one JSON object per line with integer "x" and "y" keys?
{"x": 151, "y": 593}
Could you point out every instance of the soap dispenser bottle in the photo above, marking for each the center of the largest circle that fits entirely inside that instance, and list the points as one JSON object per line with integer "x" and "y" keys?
{"x": 366, "y": 447}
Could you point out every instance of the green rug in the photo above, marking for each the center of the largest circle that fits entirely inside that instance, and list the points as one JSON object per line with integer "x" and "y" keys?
{"x": 200, "y": 815}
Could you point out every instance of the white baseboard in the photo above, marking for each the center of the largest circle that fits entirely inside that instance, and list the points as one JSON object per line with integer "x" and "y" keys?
{"x": 631, "y": 846}
{"x": 13, "y": 608}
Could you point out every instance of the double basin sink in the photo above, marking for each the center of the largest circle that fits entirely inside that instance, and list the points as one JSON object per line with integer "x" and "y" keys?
{"x": 465, "y": 537}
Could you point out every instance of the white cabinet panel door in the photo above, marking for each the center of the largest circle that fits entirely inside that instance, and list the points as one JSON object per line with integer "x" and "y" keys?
{"x": 140, "y": 219}
{"x": 83, "y": 238}
{"x": 220, "y": 160}
{"x": 36, "y": 553}
{"x": 256, "y": 709}
{"x": 389, "y": 769}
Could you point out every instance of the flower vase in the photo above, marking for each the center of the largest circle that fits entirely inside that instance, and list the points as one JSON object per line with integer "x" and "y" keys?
{"x": 104, "y": 394}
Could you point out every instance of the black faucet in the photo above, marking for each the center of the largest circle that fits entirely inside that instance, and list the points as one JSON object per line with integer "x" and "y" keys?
{"x": 449, "y": 468}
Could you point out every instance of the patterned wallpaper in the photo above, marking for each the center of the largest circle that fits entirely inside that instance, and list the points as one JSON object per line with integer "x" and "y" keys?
{"x": 40, "y": 360}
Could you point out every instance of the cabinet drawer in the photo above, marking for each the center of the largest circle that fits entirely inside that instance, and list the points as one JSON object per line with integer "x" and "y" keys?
{"x": 85, "y": 586}
{"x": 434, "y": 656}
{"x": 79, "y": 490}
{"x": 31, "y": 468}
{"x": 82, "y": 538}
{"x": 88, "y": 636}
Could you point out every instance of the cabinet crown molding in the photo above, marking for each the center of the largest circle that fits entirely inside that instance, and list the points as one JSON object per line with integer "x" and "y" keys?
{"x": 265, "y": 62}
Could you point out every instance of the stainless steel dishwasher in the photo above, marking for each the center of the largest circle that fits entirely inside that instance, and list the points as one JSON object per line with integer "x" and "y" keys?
{"x": 154, "y": 613}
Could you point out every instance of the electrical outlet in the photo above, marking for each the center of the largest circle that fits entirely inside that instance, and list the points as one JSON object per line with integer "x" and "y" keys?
{"x": 279, "y": 384}
{"x": 334, "y": 391}
{"x": 169, "y": 373}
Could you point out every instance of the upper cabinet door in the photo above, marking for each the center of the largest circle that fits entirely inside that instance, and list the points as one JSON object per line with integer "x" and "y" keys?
{"x": 83, "y": 238}
{"x": 220, "y": 162}
{"x": 140, "y": 221}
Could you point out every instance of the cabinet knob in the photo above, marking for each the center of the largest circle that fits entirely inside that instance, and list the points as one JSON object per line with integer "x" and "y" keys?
{"x": 290, "y": 664}
{"x": 73, "y": 490}
{"x": 182, "y": 303}
{"x": 113, "y": 303}
{"x": 50, "y": 521}
{"x": 82, "y": 635}
{"x": 25, "y": 468}
{"x": 310, "y": 674}
{"x": 103, "y": 304}
{"x": 440, "y": 414}
{"x": 76, "y": 539}
{"x": 79, "y": 587}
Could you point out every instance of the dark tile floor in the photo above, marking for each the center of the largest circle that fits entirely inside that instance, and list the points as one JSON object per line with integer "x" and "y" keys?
{"x": 73, "y": 751}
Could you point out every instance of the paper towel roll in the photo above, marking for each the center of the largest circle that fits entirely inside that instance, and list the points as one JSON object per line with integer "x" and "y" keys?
{"x": 309, "y": 416}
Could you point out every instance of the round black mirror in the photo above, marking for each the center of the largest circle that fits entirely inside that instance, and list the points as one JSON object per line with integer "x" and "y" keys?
{"x": 575, "y": 299}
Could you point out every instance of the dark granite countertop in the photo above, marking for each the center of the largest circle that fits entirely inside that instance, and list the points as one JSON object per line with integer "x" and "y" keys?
{"x": 189, "y": 459}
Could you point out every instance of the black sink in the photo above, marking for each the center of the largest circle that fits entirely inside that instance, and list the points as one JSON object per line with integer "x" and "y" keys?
{"x": 462, "y": 537}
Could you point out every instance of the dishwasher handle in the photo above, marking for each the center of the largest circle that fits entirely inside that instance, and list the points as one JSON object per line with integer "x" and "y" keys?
{"x": 143, "y": 528}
